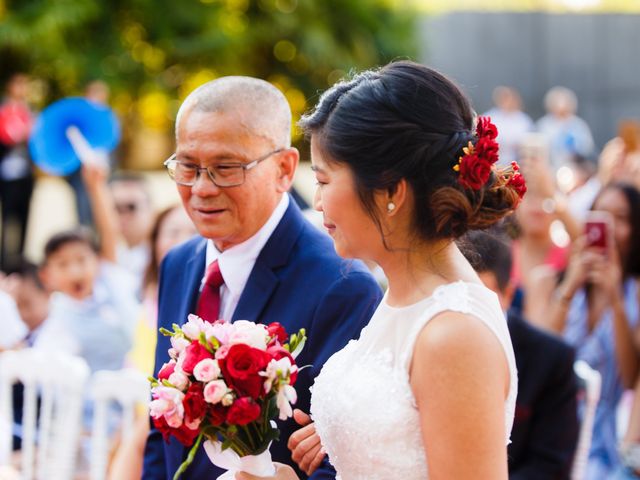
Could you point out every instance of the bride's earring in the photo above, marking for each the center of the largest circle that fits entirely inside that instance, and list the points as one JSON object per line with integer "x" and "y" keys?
{"x": 391, "y": 207}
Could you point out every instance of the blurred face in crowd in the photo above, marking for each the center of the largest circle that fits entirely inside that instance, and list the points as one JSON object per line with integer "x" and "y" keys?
{"x": 353, "y": 231}
{"x": 72, "y": 270}
{"x": 18, "y": 87}
{"x": 231, "y": 215}
{"x": 507, "y": 99}
{"x": 613, "y": 201}
{"x": 532, "y": 219}
{"x": 176, "y": 227}
{"x": 135, "y": 214}
{"x": 33, "y": 302}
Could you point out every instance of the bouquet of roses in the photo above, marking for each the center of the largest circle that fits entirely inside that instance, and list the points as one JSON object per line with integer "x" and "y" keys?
{"x": 224, "y": 384}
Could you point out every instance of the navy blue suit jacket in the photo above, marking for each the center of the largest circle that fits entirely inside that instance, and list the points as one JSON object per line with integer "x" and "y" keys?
{"x": 545, "y": 428}
{"x": 299, "y": 281}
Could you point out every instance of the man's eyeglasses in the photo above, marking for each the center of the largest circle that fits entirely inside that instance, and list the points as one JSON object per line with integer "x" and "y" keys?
{"x": 229, "y": 174}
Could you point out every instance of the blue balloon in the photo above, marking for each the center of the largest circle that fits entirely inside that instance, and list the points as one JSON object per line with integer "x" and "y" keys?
{"x": 50, "y": 148}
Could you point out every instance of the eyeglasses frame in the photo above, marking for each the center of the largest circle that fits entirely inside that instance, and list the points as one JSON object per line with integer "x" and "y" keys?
{"x": 244, "y": 166}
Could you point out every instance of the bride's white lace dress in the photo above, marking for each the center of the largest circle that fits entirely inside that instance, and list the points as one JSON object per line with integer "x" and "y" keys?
{"x": 362, "y": 403}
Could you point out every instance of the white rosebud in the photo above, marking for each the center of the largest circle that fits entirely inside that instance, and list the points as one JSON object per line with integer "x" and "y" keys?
{"x": 227, "y": 400}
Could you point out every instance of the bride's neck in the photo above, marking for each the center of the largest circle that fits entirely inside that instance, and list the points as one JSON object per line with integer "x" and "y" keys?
{"x": 414, "y": 273}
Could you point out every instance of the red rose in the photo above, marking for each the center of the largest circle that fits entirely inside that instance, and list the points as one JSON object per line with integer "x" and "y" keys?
{"x": 185, "y": 435}
{"x": 277, "y": 352}
{"x": 217, "y": 414}
{"x": 518, "y": 184}
{"x": 243, "y": 411}
{"x": 277, "y": 331}
{"x": 474, "y": 172}
{"x": 194, "y": 405}
{"x": 486, "y": 128}
{"x": 166, "y": 370}
{"x": 240, "y": 369}
{"x": 487, "y": 148}
{"x": 193, "y": 354}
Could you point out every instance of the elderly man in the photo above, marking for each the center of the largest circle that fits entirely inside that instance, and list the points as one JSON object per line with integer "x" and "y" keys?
{"x": 233, "y": 167}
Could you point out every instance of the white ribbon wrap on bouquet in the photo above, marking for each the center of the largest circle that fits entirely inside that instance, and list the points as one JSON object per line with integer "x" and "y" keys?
{"x": 258, "y": 465}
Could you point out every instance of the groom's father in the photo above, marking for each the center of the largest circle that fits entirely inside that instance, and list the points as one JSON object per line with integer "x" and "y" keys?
{"x": 257, "y": 258}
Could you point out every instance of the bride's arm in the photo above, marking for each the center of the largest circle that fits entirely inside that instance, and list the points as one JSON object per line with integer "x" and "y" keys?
{"x": 460, "y": 378}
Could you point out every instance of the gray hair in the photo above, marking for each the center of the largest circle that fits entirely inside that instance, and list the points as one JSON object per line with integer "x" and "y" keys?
{"x": 261, "y": 106}
{"x": 564, "y": 95}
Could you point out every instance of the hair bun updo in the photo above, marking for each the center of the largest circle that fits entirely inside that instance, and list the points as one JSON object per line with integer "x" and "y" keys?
{"x": 407, "y": 121}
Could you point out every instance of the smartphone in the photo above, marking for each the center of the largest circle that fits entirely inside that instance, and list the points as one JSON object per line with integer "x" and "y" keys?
{"x": 597, "y": 229}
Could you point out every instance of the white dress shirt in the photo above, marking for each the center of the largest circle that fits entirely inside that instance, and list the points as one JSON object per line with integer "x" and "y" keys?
{"x": 237, "y": 262}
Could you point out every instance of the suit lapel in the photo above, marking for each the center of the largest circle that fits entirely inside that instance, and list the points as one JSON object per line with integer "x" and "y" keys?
{"x": 263, "y": 279}
{"x": 193, "y": 273}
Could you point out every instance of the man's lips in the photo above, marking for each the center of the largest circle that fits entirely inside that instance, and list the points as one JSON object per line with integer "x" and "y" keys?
{"x": 208, "y": 210}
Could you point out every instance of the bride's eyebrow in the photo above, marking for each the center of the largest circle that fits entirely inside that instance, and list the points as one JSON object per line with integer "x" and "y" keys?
{"x": 317, "y": 169}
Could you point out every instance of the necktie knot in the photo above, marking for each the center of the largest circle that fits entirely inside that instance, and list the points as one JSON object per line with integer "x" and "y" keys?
{"x": 213, "y": 277}
{"x": 208, "y": 307}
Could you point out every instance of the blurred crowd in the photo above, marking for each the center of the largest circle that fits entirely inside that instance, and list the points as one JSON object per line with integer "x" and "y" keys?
{"x": 568, "y": 277}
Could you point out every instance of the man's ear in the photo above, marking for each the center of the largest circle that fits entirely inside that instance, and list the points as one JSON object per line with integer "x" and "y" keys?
{"x": 287, "y": 162}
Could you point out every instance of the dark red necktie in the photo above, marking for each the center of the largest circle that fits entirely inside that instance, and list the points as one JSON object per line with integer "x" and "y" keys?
{"x": 209, "y": 301}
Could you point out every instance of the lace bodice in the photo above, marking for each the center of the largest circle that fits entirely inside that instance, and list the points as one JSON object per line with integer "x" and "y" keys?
{"x": 362, "y": 403}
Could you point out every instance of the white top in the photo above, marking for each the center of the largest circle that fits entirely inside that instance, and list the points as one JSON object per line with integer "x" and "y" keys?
{"x": 237, "y": 262}
{"x": 362, "y": 403}
{"x": 13, "y": 329}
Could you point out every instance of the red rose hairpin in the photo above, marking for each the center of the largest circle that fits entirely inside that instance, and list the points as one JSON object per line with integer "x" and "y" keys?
{"x": 475, "y": 166}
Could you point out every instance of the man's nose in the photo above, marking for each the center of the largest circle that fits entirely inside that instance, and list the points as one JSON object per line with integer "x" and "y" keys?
{"x": 204, "y": 186}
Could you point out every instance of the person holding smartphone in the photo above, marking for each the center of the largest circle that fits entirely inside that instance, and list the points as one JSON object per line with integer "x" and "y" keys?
{"x": 595, "y": 308}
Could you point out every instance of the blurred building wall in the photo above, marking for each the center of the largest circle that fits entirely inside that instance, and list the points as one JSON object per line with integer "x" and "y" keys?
{"x": 596, "y": 55}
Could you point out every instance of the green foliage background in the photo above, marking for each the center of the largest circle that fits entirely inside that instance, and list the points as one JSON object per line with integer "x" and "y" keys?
{"x": 153, "y": 52}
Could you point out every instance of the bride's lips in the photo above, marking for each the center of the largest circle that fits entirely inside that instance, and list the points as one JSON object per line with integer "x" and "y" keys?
{"x": 330, "y": 227}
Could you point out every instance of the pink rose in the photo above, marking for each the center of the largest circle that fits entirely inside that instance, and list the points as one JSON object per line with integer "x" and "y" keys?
{"x": 214, "y": 391}
{"x": 206, "y": 370}
{"x": 179, "y": 380}
{"x": 167, "y": 403}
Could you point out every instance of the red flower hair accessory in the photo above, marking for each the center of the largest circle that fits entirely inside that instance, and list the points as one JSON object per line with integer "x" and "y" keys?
{"x": 515, "y": 180}
{"x": 474, "y": 167}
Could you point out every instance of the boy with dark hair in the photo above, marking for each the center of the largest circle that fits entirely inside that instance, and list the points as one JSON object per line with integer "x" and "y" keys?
{"x": 93, "y": 305}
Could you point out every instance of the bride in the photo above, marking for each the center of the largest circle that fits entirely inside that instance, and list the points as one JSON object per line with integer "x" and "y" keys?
{"x": 429, "y": 389}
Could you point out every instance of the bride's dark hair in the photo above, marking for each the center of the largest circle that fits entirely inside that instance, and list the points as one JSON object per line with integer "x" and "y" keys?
{"x": 407, "y": 121}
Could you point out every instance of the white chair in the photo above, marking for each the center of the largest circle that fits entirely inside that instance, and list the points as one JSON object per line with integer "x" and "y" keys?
{"x": 126, "y": 388}
{"x": 59, "y": 379}
{"x": 591, "y": 384}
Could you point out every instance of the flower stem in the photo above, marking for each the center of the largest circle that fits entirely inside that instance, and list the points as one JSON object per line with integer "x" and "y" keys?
{"x": 192, "y": 453}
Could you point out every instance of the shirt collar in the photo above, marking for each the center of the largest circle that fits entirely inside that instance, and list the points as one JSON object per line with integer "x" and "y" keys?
{"x": 237, "y": 262}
